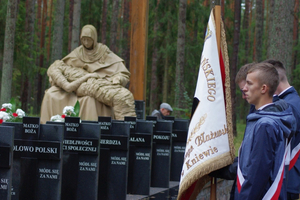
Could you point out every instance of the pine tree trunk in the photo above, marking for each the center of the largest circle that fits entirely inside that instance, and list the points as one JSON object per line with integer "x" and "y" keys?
{"x": 222, "y": 3}
{"x": 259, "y": 31}
{"x": 153, "y": 85}
{"x": 113, "y": 27}
{"x": 126, "y": 33}
{"x": 245, "y": 28}
{"x": 8, "y": 55}
{"x": 180, "y": 57}
{"x": 57, "y": 39}
{"x": 71, "y": 11}
{"x": 29, "y": 29}
{"x": 267, "y": 12}
{"x": 295, "y": 35}
{"x": 166, "y": 65}
{"x": 41, "y": 61}
{"x": 281, "y": 33}
{"x": 271, "y": 13}
{"x": 104, "y": 22}
{"x": 76, "y": 25}
{"x": 49, "y": 29}
{"x": 38, "y": 35}
{"x": 234, "y": 60}
{"x": 244, "y": 107}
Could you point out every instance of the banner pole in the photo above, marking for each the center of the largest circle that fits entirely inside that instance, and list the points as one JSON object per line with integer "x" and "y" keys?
{"x": 213, "y": 188}
{"x": 217, "y": 16}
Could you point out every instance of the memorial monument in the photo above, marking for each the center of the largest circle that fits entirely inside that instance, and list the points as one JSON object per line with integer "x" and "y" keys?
{"x": 93, "y": 75}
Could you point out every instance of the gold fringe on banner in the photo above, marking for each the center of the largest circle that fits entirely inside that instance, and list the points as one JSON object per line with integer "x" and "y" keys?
{"x": 227, "y": 92}
{"x": 201, "y": 171}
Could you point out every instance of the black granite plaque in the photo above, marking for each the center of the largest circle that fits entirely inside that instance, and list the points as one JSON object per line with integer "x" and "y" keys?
{"x": 29, "y": 129}
{"x": 37, "y": 161}
{"x": 132, "y": 122}
{"x": 179, "y": 135}
{"x": 153, "y": 119}
{"x": 50, "y": 170}
{"x": 72, "y": 126}
{"x": 161, "y": 154}
{"x": 172, "y": 118}
{"x": 140, "y": 109}
{"x": 105, "y": 123}
{"x": 140, "y": 155}
{"x": 80, "y": 161}
{"x": 31, "y": 125}
{"x": 6, "y": 159}
{"x": 89, "y": 121}
{"x": 114, "y": 162}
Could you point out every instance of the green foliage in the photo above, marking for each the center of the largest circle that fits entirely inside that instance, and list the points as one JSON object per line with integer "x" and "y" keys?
{"x": 166, "y": 42}
{"x": 239, "y": 138}
{"x": 25, "y": 53}
{"x": 187, "y": 101}
{"x": 77, "y": 109}
{"x": 296, "y": 78}
{"x": 195, "y": 32}
{"x": 13, "y": 103}
{"x": 92, "y": 14}
{"x": 296, "y": 72}
{"x": 3, "y": 6}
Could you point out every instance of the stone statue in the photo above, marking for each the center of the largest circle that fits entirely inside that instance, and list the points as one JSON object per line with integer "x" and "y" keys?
{"x": 94, "y": 76}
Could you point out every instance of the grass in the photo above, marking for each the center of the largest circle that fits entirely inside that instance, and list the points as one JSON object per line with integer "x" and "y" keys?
{"x": 240, "y": 127}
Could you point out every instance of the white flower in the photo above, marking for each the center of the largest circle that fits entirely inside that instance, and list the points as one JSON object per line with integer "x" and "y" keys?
{"x": 69, "y": 110}
{"x": 7, "y": 106}
{"x": 20, "y": 113}
{"x": 5, "y": 116}
{"x": 57, "y": 118}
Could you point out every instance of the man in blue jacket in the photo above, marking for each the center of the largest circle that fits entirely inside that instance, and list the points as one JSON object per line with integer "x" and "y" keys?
{"x": 263, "y": 151}
{"x": 289, "y": 94}
{"x": 230, "y": 172}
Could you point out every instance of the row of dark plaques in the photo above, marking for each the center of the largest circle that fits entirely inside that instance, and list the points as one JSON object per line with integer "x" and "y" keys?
{"x": 77, "y": 159}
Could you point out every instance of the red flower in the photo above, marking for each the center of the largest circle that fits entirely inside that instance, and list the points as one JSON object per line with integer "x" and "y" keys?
{"x": 1, "y": 120}
{"x": 15, "y": 114}
{"x": 63, "y": 116}
{"x": 3, "y": 109}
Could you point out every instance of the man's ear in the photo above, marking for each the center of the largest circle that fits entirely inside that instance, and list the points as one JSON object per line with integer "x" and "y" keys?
{"x": 264, "y": 89}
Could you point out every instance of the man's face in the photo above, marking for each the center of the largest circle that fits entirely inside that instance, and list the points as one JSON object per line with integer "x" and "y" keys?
{"x": 241, "y": 86}
{"x": 165, "y": 112}
{"x": 87, "y": 42}
{"x": 252, "y": 88}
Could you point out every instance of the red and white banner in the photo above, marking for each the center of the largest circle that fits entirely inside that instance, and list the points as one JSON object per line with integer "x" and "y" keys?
{"x": 210, "y": 141}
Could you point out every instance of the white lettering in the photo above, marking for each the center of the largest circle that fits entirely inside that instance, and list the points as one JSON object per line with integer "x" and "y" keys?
{"x": 112, "y": 142}
{"x": 161, "y": 137}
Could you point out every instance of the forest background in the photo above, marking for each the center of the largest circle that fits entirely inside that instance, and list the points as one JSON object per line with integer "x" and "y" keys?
{"x": 35, "y": 33}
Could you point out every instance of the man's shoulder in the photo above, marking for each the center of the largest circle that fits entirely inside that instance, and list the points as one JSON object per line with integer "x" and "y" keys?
{"x": 155, "y": 112}
{"x": 266, "y": 118}
{"x": 284, "y": 121}
{"x": 290, "y": 95}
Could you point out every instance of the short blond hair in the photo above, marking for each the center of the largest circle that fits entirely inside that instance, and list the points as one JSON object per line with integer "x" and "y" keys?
{"x": 268, "y": 75}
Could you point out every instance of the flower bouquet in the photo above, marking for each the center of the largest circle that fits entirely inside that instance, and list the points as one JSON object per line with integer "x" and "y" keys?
{"x": 68, "y": 111}
{"x": 7, "y": 114}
